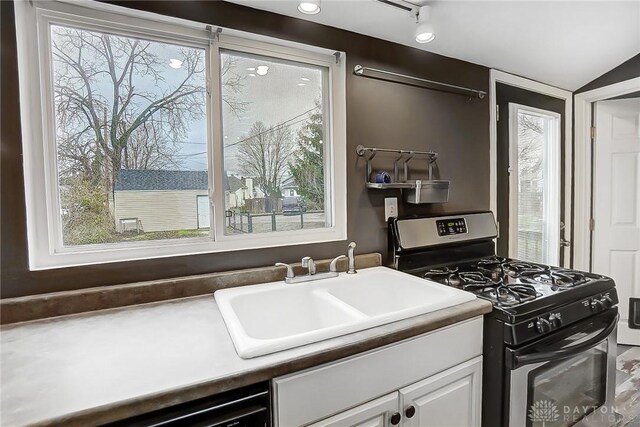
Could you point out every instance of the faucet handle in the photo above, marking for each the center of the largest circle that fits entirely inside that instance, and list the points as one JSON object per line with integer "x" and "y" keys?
{"x": 290, "y": 274}
{"x": 333, "y": 267}
{"x": 307, "y": 262}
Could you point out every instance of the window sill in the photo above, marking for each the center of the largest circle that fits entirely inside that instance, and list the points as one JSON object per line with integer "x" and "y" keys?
{"x": 105, "y": 254}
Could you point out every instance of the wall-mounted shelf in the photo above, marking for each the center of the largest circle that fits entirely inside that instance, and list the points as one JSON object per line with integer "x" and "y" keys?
{"x": 391, "y": 185}
{"x": 414, "y": 191}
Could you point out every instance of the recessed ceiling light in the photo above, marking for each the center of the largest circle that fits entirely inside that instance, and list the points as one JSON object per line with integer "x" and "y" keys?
{"x": 309, "y": 7}
{"x": 262, "y": 70}
{"x": 304, "y": 79}
{"x": 251, "y": 69}
{"x": 301, "y": 84}
{"x": 226, "y": 136}
{"x": 175, "y": 63}
{"x": 252, "y": 75}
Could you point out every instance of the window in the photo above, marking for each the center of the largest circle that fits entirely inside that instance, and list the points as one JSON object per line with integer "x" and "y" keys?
{"x": 534, "y": 211}
{"x": 274, "y": 124}
{"x": 130, "y": 136}
{"x": 150, "y": 137}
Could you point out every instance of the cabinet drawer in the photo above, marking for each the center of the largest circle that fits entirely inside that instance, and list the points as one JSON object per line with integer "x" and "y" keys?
{"x": 314, "y": 394}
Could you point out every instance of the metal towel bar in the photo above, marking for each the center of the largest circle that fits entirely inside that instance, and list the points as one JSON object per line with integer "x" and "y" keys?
{"x": 359, "y": 70}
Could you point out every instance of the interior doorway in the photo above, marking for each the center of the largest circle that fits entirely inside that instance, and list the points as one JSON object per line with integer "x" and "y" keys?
{"x": 616, "y": 204}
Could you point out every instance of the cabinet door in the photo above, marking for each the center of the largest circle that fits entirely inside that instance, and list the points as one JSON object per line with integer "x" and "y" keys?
{"x": 371, "y": 414}
{"x": 449, "y": 399}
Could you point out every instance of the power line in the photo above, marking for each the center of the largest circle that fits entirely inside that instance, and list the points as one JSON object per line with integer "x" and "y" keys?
{"x": 271, "y": 129}
{"x": 278, "y": 126}
{"x": 190, "y": 155}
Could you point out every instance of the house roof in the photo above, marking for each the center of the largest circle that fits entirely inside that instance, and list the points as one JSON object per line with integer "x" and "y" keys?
{"x": 289, "y": 182}
{"x": 140, "y": 180}
{"x": 234, "y": 183}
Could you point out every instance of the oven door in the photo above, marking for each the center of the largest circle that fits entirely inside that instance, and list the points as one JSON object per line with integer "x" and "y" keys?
{"x": 566, "y": 379}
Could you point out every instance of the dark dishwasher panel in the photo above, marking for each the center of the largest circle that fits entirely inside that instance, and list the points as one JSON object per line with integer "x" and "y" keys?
{"x": 245, "y": 407}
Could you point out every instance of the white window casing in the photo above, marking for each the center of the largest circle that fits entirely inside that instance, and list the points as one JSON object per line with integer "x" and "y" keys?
{"x": 44, "y": 230}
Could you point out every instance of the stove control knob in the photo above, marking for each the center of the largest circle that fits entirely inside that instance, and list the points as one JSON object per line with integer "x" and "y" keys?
{"x": 608, "y": 302}
{"x": 555, "y": 321}
{"x": 543, "y": 326}
{"x": 596, "y": 304}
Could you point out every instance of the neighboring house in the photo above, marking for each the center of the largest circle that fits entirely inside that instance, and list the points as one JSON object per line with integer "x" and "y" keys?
{"x": 159, "y": 200}
{"x": 239, "y": 190}
{"x": 289, "y": 187}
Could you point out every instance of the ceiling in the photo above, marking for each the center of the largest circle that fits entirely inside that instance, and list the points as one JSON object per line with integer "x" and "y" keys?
{"x": 562, "y": 43}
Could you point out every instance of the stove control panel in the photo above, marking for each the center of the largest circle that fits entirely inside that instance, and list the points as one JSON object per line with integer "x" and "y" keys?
{"x": 560, "y": 317}
{"x": 448, "y": 227}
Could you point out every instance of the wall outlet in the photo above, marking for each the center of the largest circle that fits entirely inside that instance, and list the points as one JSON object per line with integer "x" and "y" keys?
{"x": 390, "y": 207}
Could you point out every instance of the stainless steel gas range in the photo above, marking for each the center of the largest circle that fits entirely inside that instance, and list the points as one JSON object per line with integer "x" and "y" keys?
{"x": 550, "y": 341}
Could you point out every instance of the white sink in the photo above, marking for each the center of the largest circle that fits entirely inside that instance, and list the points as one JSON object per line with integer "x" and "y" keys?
{"x": 271, "y": 317}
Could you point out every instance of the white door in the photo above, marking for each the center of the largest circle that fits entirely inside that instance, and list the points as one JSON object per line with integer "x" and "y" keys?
{"x": 449, "y": 399}
{"x": 534, "y": 184}
{"x": 616, "y": 204}
{"x": 203, "y": 211}
{"x": 376, "y": 413}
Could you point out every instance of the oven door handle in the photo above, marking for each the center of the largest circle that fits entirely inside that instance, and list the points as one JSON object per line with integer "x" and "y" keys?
{"x": 526, "y": 359}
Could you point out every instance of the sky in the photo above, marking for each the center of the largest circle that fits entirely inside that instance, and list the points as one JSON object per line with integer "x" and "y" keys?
{"x": 286, "y": 94}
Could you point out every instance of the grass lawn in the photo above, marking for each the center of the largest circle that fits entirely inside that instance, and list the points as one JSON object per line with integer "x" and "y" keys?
{"x": 157, "y": 235}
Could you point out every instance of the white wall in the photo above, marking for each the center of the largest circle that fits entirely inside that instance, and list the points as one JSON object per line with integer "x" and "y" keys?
{"x": 159, "y": 210}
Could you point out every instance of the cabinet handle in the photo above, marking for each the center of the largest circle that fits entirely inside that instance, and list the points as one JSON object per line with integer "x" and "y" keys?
{"x": 410, "y": 411}
{"x": 395, "y": 419}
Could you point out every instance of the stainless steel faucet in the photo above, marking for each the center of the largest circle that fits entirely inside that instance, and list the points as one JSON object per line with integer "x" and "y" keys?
{"x": 352, "y": 259}
{"x": 309, "y": 264}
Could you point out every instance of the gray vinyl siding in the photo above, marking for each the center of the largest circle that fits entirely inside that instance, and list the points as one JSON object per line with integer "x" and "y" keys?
{"x": 159, "y": 210}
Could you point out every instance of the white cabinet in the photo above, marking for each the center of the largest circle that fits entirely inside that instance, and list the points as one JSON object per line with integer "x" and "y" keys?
{"x": 449, "y": 399}
{"x": 371, "y": 414}
{"x": 438, "y": 373}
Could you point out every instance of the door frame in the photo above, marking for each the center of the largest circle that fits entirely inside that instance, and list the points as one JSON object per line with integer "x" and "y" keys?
{"x": 582, "y": 238}
{"x": 495, "y": 77}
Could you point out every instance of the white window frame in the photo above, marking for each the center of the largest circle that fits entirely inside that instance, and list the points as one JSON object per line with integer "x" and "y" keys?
{"x": 552, "y": 154}
{"x": 44, "y": 231}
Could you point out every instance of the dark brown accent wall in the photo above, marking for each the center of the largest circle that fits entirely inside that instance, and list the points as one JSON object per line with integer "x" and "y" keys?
{"x": 379, "y": 114}
{"x": 627, "y": 70}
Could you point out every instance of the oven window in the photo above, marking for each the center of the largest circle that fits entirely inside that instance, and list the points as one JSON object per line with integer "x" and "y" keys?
{"x": 561, "y": 393}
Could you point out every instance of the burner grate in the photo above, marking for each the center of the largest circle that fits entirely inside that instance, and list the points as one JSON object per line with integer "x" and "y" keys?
{"x": 490, "y": 281}
{"x": 560, "y": 278}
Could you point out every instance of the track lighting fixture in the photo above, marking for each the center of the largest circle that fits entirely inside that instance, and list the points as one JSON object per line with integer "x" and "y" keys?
{"x": 309, "y": 7}
{"x": 424, "y": 30}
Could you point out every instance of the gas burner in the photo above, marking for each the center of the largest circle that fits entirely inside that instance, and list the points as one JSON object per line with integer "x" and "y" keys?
{"x": 435, "y": 272}
{"x": 442, "y": 275}
{"x": 492, "y": 263}
{"x": 523, "y": 269}
{"x": 560, "y": 278}
{"x": 473, "y": 280}
{"x": 509, "y": 295}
